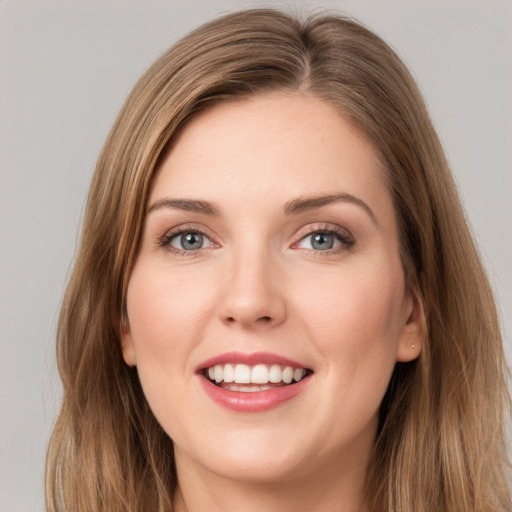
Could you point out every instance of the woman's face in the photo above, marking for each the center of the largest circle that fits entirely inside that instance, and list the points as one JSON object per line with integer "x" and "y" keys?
{"x": 270, "y": 263}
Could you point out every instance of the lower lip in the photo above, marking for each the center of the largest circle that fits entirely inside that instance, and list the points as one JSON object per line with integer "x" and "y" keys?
{"x": 257, "y": 401}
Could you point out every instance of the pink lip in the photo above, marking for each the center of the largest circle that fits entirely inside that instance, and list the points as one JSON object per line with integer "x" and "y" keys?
{"x": 259, "y": 401}
{"x": 249, "y": 359}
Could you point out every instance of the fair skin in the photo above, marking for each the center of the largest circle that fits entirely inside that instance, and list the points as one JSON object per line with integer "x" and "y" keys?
{"x": 270, "y": 234}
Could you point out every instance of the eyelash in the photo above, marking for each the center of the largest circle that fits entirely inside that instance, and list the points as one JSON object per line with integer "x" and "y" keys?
{"x": 167, "y": 239}
{"x": 341, "y": 235}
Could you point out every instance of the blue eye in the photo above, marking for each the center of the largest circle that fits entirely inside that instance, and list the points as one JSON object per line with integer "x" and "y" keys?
{"x": 188, "y": 241}
{"x": 324, "y": 241}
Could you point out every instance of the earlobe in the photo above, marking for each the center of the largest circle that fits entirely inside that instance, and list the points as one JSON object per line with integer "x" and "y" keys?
{"x": 413, "y": 331}
{"x": 127, "y": 346}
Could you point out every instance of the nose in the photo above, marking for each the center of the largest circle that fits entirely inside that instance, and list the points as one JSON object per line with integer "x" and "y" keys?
{"x": 253, "y": 295}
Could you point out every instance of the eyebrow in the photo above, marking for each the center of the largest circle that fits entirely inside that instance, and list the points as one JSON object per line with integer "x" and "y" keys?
{"x": 304, "y": 204}
{"x": 293, "y": 207}
{"x": 188, "y": 205}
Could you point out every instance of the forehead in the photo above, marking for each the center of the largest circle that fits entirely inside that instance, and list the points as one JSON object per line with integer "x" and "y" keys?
{"x": 273, "y": 146}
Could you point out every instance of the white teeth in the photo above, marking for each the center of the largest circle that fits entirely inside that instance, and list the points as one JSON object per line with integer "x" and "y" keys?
{"x": 245, "y": 388}
{"x": 275, "y": 373}
{"x": 229, "y": 373}
{"x": 298, "y": 374}
{"x": 219, "y": 373}
{"x": 258, "y": 375}
{"x": 242, "y": 374}
{"x": 288, "y": 374}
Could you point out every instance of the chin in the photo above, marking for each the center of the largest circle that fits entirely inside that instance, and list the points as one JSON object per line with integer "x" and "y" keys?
{"x": 266, "y": 470}
{"x": 255, "y": 458}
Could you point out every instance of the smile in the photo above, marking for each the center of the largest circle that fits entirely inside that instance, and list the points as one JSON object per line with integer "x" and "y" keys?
{"x": 252, "y": 382}
{"x": 250, "y": 379}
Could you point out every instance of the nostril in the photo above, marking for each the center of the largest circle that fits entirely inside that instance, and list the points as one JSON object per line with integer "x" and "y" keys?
{"x": 265, "y": 319}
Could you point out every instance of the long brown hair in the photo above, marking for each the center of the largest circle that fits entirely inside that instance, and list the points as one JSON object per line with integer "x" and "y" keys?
{"x": 440, "y": 444}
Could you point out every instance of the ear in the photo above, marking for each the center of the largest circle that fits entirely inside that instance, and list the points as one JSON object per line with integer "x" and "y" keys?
{"x": 125, "y": 336}
{"x": 412, "y": 335}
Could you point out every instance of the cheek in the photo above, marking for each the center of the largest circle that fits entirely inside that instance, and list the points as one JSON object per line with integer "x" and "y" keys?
{"x": 167, "y": 316}
{"x": 165, "y": 310}
{"x": 355, "y": 316}
{"x": 167, "y": 320}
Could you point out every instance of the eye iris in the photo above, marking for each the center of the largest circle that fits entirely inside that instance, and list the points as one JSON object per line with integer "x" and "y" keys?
{"x": 191, "y": 241}
{"x": 322, "y": 241}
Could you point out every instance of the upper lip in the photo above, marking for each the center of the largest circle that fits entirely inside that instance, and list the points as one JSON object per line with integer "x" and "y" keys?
{"x": 250, "y": 359}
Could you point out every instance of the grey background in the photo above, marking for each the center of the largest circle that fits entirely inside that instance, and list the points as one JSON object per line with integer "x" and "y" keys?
{"x": 65, "y": 68}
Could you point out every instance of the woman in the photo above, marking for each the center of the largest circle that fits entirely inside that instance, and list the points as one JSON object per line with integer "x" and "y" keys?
{"x": 276, "y": 303}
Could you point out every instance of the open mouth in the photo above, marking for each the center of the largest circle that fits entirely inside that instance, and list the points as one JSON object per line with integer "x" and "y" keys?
{"x": 250, "y": 379}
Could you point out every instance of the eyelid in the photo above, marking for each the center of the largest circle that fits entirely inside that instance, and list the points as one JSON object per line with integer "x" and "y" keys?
{"x": 342, "y": 234}
{"x": 165, "y": 240}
